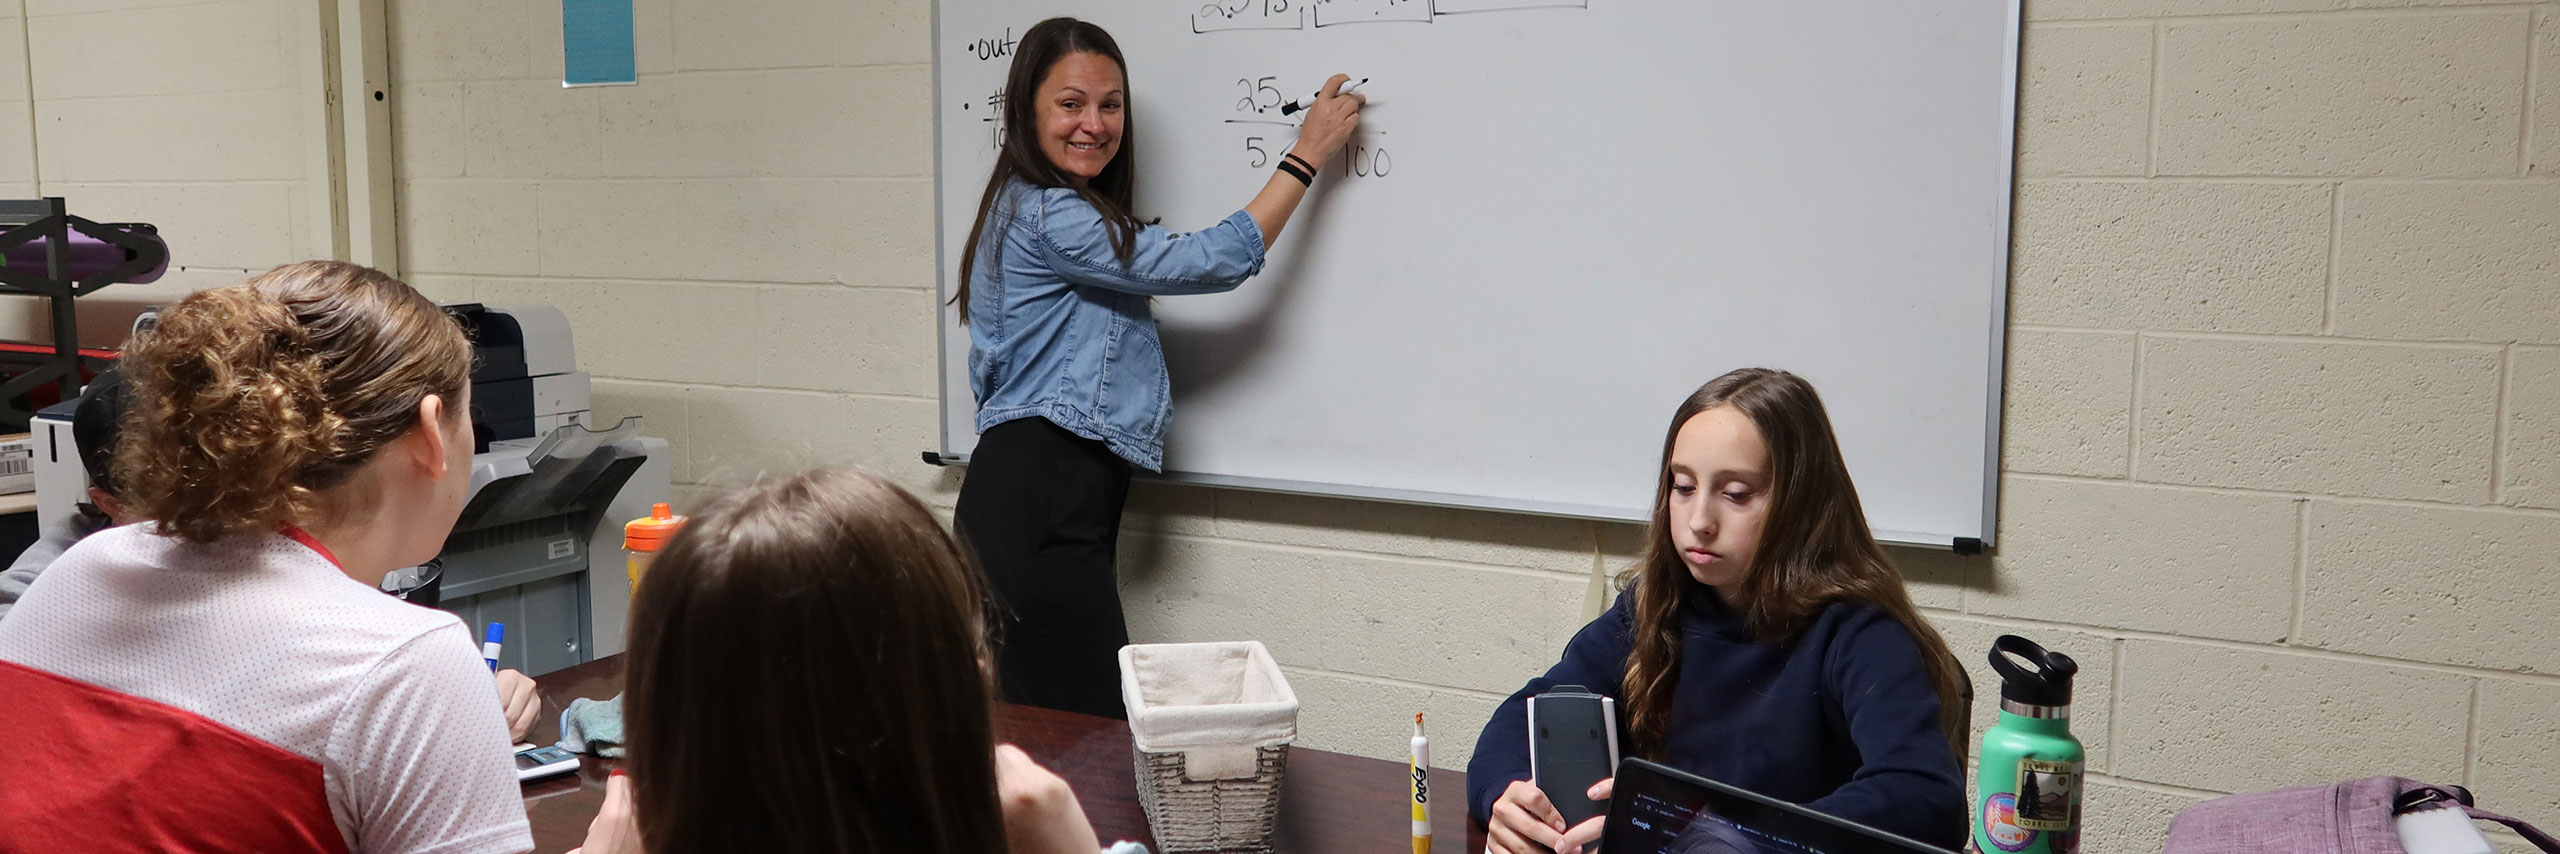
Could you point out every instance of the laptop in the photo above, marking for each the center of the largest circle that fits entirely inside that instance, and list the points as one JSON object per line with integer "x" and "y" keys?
{"x": 1658, "y": 809}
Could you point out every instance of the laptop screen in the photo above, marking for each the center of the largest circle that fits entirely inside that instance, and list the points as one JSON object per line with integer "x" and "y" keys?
{"x": 1656, "y": 809}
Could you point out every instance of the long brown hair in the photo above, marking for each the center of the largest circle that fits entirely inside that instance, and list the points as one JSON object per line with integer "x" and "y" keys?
{"x": 1114, "y": 192}
{"x": 805, "y": 675}
{"x": 1815, "y": 549}
{"x": 248, "y": 402}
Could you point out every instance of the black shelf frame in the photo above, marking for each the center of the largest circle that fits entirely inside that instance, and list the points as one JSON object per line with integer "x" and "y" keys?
{"x": 29, "y": 220}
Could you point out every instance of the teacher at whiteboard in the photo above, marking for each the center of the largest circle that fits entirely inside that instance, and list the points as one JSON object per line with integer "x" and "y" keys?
{"x": 1064, "y": 360}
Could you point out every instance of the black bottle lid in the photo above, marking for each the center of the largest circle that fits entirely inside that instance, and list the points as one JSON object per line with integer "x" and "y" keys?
{"x": 2049, "y": 684}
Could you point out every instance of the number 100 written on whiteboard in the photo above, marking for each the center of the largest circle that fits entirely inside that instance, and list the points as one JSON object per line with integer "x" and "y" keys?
{"x": 1358, "y": 159}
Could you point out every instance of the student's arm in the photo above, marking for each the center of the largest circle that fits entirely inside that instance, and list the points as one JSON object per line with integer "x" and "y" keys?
{"x": 1041, "y": 815}
{"x": 1596, "y": 658}
{"x": 1074, "y": 241}
{"x": 57, "y": 538}
{"x": 616, "y": 829}
{"x": 1908, "y": 779}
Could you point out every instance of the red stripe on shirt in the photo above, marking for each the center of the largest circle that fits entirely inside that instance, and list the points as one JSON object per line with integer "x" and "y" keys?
{"x": 87, "y": 769}
{"x": 304, "y": 537}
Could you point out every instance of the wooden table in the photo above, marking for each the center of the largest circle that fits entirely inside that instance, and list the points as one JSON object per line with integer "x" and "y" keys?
{"x": 1330, "y": 802}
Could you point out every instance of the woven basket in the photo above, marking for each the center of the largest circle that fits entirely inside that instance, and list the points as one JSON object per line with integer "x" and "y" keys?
{"x": 1211, "y": 725}
{"x": 1211, "y": 815}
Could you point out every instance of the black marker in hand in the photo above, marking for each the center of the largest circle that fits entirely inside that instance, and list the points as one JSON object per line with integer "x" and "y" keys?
{"x": 1293, "y": 107}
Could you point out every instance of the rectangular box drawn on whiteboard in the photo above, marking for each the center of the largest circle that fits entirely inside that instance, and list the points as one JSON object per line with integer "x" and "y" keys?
{"x": 1335, "y": 12}
{"x": 1226, "y": 15}
{"x": 1460, "y": 7}
{"x": 1231, "y": 15}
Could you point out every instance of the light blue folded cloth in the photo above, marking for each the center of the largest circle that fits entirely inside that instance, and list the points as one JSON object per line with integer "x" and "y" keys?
{"x": 592, "y": 727}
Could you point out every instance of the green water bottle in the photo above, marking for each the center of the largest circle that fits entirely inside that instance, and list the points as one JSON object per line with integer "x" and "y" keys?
{"x": 2027, "y": 790}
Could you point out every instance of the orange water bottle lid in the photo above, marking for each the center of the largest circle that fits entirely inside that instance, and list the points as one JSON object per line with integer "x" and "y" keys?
{"x": 650, "y": 533}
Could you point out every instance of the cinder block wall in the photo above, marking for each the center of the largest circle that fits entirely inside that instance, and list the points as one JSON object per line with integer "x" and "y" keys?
{"x": 743, "y": 242}
{"x": 2283, "y": 457}
{"x": 17, "y": 115}
{"x": 189, "y": 116}
{"x": 2282, "y": 396}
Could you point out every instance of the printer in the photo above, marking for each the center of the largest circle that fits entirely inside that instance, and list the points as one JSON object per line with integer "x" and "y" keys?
{"x": 539, "y": 543}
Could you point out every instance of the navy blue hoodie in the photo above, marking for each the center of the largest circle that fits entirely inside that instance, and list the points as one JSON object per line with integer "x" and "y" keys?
{"x": 1844, "y": 719}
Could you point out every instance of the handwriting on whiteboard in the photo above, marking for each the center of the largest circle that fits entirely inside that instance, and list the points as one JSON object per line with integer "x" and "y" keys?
{"x": 993, "y": 121}
{"x": 1267, "y": 135}
{"x": 1217, "y": 16}
{"x": 995, "y": 47}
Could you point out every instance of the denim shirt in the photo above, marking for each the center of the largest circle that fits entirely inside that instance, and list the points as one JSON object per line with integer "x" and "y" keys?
{"x": 1060, "y": 329}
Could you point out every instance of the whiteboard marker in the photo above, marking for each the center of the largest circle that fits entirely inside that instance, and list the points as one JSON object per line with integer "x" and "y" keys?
{"x": 489, "y": 644}
{"x": 1421, "y": 773}
{"x": 1293, "y": 107}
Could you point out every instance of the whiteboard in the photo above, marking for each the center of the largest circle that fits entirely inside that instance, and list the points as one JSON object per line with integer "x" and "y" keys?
{"x": 1558, "y": 219}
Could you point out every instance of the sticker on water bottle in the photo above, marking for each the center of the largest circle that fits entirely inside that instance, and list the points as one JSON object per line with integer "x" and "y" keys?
{"x": 2048, "y": 794}
{"x": 2000, "y": 823}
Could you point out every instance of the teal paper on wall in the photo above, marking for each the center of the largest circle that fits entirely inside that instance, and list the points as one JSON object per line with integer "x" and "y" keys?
{"x": 596, "y": 42}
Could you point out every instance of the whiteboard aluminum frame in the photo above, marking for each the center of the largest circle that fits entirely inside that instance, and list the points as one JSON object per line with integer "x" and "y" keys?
{"x": 2000, "y": 296}
{"x": 1560, "y": 509}
{"x": 1998, "y": 345}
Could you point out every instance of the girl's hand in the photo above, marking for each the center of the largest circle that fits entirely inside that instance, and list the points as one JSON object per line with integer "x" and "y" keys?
{"x": 1588, "y": 832}
{"x": 1523, "y": 822}
{"x": 1041, "y": 815}
{"x": 616, "y": 829}
{"x": 1329, "y": 122}
{"x": 523, "y": 704}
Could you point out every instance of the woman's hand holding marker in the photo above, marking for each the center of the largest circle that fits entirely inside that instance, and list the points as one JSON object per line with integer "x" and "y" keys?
{"x": 1329, "y": 123}
{"x": 1292, "y": 108}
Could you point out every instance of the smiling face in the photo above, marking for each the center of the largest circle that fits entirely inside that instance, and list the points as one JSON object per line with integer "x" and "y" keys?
{"x": 1719, "y": 497}
{"x": 1081, "y": 109}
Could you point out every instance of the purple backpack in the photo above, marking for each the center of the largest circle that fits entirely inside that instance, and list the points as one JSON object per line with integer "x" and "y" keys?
{"x": 2354, "y": 817}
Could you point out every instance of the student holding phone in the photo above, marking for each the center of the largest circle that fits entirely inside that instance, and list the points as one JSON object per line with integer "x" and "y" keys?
{"x": 1763, "y": 639}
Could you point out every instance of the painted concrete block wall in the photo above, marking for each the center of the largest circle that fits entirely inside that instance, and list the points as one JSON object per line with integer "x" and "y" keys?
{"x": 2283, "y": 414}
{"x": 189, "y": 116}
{"x": 17, "y": 112}
{"x": 2304, "y": 510}
{"x": 742, "y": 241}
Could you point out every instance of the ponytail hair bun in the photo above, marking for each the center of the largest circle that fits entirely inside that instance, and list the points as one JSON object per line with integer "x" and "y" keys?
{"x": 250, "y": 401}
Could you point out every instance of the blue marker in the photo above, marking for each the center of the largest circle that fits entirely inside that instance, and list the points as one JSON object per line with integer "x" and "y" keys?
{"x": 489, "y": 644}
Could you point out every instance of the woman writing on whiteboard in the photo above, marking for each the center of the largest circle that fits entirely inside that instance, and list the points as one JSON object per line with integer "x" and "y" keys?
{"x": 1064, "y": 361}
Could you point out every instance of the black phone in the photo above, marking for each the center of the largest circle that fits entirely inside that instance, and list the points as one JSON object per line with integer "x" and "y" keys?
{"x": 1573, "y": 743}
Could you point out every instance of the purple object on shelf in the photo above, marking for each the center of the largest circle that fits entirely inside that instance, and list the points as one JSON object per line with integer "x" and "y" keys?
{"x": 89, "y": 256}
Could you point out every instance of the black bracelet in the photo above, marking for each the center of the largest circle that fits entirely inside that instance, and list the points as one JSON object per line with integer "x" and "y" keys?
{"x": 1295, "y": 172}
{"x": 1301, "y": 161}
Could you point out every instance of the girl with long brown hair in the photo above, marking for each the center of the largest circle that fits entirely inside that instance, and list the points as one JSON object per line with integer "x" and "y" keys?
{"x": 808, "y": 674}
{"x": 1763, "y": 639}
